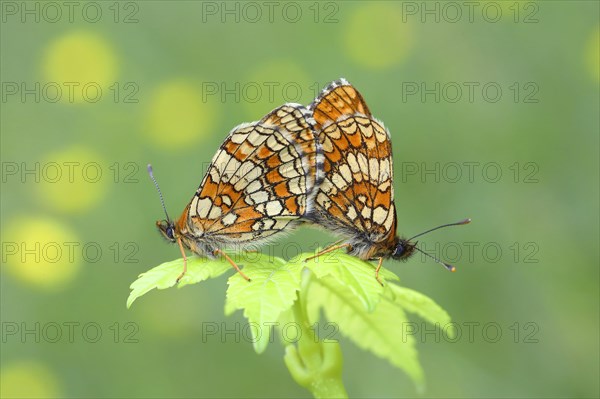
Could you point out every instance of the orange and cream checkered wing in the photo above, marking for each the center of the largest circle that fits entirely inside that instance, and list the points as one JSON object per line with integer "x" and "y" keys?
{"x": 337, "y": 101}
{"x": 259, "y": 181}
{"x": 298, "y": 120}
{"x": 356, "y": 197}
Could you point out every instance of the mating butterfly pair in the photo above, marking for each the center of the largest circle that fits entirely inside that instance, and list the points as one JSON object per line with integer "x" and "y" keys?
{"x": 329, "y": 164}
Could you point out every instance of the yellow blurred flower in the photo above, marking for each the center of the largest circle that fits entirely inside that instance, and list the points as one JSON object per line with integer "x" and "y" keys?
{"x": 375, "y": 36}
{"x": 178, "y": 115}
{"x": 28, "y": 379}
{"x": 73, "y": 180}
{"x": 592, "y": 54}
{"x": 41, "y": 252}
{"x": 82, "y": 60}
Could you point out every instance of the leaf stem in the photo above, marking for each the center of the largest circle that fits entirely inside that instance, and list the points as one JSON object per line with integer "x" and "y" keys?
{"x": 314, "y": 364}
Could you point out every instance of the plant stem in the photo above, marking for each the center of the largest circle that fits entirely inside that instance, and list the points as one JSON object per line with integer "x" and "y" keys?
{"x": 314, "y": 364}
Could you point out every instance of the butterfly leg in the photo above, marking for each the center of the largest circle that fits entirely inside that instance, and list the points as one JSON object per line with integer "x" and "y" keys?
{"x": 377, "y": 270}
{"x": 250, "y": 249}
{"x": 330, "y": 248}
{"x": 232, "y": 263}
{"x": 184, "y": 260}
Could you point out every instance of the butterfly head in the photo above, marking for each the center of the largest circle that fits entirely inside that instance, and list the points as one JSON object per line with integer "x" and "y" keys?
{"x": 167, "y": 229}
{"x": 404, "y": 249}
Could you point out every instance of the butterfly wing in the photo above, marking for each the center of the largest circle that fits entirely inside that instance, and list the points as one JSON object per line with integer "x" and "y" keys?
{"x": 356, "y": 196}
{"x": 258, "y": 182}
{"x": 298, "y": 120}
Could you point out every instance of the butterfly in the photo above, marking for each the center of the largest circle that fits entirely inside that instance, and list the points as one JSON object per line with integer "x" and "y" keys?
{"x": 355, "y": 198}
{"x": 259, "y": 184}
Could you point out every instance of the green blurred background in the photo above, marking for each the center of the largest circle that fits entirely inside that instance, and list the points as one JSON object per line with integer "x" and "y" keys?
{"x": 176, "y": 76}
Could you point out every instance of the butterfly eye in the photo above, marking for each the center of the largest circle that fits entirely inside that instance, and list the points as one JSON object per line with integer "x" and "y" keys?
{"x": 170, "y": 233}
{"x": 398, "y": 251}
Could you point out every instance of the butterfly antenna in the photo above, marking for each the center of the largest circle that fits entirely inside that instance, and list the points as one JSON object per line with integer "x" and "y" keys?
{"x": 162, "y": 201}
{"x": 446, "y": 265}
{"x": 465, "y": 221}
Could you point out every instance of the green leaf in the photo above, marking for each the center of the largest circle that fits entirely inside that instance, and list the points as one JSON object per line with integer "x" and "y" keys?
{"x": 341, "y": 256}
{"x": 165, "y": 275}
{"x": 419, "y": 304}
{"x": 313, "y": 364}
{"x": 379, "y": 332}
{"x": 357, "y": 274}
{"x": 342, "y": 286}
{"x": 272, "y": 291}
{"x": 317, "y": 366}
